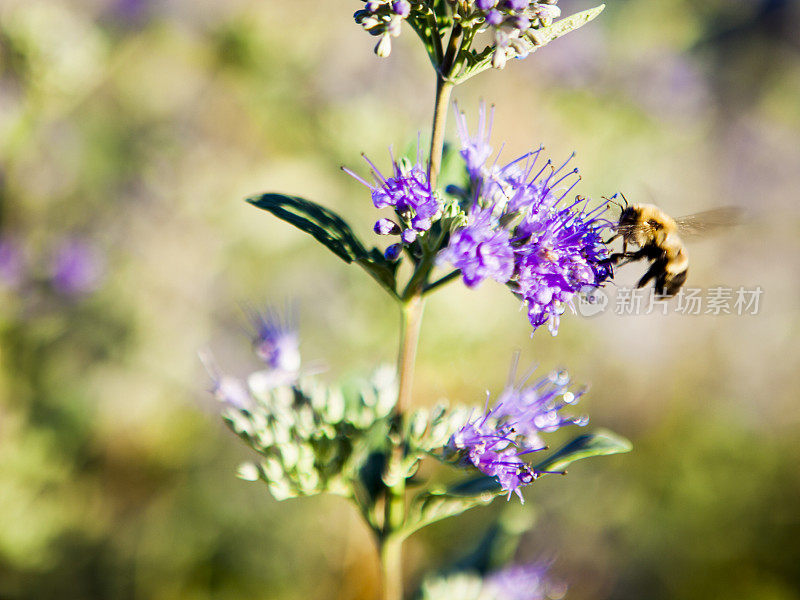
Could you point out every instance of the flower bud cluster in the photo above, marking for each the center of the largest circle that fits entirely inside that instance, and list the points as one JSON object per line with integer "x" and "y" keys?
{"x": 311, "y": 438}
{"x": 429, "y": 429}
{"x": 509, "y": 21}
{"x": 383, "y": 18}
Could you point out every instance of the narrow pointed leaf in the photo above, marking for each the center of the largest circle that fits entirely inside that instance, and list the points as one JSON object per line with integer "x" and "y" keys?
{"x": 476, "y": 486}
{"x": 434, "y": 505}
{"x": 430, "y": 507}
{"x": 545, "y": 35}
{"x": 478, "y": 62}
{"x": 600, "y": 443}
{"x": 330, "y": 230}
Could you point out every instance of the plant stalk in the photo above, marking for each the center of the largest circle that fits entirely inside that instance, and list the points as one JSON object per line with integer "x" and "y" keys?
{"x": 443, "y": 91}
{"x": 391, "y": 543}
{"x": 392, "y": 568}
{"x": 411, "y": 321}
{"x": 444, "y": 87}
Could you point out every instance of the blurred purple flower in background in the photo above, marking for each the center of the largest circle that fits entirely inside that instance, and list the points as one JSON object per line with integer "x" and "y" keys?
{"x": 77, "y": 268}
{"x": 534, "y": 409}
{"x": 517, "y": 582}
{"x": 12, "y": 263}
{"x": 228, "y": 390}
{"x": 276, "y": 341}
{"x": 130, "y": 12}
{"x": 514, "y": 582}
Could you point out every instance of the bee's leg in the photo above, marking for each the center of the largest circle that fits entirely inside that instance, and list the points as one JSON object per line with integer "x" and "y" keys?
{"x": 656, "y": 271}
{"x": 629, "y": 256}
{"x": 612, "y": 238}
{"x": 629, "y": 259}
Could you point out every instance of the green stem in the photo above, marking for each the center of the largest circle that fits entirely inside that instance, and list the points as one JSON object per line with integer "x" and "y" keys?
{"x": 444, "y": 87}
{"x": 412, "y": 304}
{"x": 395, "y": 475}
{"x": 411, "y": 321}
{"x": 443, "y": 91}
{"x": 392, "y": 567}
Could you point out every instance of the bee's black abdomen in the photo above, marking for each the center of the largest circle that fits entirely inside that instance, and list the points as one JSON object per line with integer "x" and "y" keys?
{"x": 673, "y": 284}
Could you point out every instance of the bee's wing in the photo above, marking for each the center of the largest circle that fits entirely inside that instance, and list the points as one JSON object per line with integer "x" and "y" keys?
{"x": 709, "y": 221}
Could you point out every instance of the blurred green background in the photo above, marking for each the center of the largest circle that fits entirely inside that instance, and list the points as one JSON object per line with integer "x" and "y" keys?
{"x": 137, "y": 126}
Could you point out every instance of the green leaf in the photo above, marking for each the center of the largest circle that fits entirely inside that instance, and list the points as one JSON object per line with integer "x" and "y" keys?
{"x": 430, "y": 507}
{"x": 478, "y": 62}
{"x": 434, "y": 505}
{"x": 545, "y": 35}
{"x": 600, "y": 443}
{"x": 476, "y": 486}
{"x": 332, "y": 231}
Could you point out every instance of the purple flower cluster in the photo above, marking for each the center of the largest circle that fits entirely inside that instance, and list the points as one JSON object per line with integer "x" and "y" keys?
{"x": 408, "y": 191}
{"x": 496, "y": 441}
{"x": 481, "y": 250}
{"x": 509, "y": 20}
{"x": 562, "y": 253}
{"x": 383, "y": 18}
{"x": 517, "y": 231}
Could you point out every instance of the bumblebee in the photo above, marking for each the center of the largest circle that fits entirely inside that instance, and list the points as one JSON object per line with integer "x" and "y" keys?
{"x": 658, "y": 238}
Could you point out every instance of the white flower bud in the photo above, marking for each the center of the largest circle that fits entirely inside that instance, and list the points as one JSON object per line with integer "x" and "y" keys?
{"x": 384, "y": 47}
{"x": 499, "y": 58}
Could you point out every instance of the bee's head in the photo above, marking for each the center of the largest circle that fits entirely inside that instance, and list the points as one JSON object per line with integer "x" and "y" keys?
{"x": 629, "y": 216}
